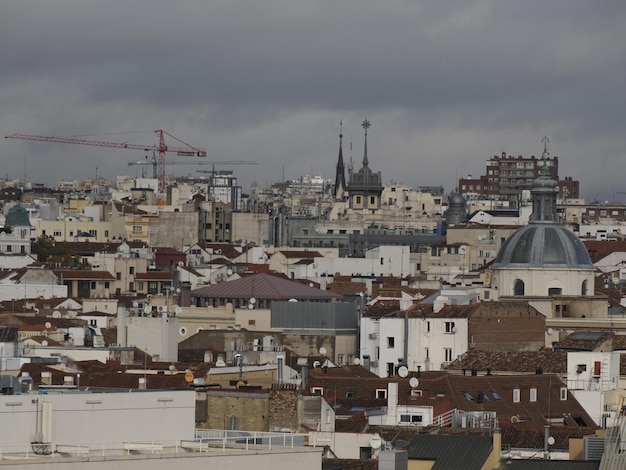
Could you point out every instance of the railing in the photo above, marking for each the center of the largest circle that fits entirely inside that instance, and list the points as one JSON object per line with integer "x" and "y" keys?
{"x": 204, "y": 440}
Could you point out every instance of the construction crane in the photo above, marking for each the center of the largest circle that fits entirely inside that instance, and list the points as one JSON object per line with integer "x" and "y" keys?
{"x": 153, "y": 162}
{"x": 187, "y": 150}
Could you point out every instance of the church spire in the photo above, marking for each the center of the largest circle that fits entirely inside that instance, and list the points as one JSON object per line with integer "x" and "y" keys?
{"x": 340, "y": 177}
{"x": 365, "y": 125}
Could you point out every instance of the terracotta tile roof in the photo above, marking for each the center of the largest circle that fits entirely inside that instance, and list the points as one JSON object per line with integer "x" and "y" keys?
{"x": 154, "y": 276}
{"x": 346, "y": 288}
{"x": 80, "y": 274}
{"x": 600, "y": 249}
{"x": 300, "y": 254}
{"x": 166, "y": 250}
{"x": 40, "y": 339}
{"x": 263, "y": 286}
{"x": 127, "y": 209}
{"x": 226, "y": 249}
{"x": 550, "y": 362}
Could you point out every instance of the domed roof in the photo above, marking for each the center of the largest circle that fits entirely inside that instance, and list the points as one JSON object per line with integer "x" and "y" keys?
{"x": 17, "y": 217}
{"x": 543, "y": 243}
{"x": 456, "y": 199}
{"x": 543, "y": 246}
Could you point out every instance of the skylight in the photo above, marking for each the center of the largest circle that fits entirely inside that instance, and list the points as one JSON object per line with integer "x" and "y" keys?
{"x": 495, "y": 395}
{"x": 467, "y": 396}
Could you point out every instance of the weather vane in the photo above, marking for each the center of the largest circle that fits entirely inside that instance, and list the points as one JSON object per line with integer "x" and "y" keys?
{"x": 366, "y": 125}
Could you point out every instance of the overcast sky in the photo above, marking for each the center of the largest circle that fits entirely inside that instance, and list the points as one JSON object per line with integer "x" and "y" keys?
{"x": 445, "y": 84}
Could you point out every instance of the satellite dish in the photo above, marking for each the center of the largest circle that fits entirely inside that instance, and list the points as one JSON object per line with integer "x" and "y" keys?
{"x": 250, "y": 306}
{"x": 322, "y": 351}
{"x": 317, "y": 364}
{"x": 189, "y": 376}
{"x": 252, "y": 300}
{"x": 181, "y": 264}
{"x": 178, "y": 310}
{"x": 229, "y": 271}
{"x": 515, "y": 419}
{"x": 44, "y": 343}
{"x": 414, "y": 382}
{"x": 172, "y": 367}
{"x": 147, "y": 309}
{"x": 135, "y": 304}
{"x": 220, "y": 363}
{"x": 56, "y": 314}
{"x": 403, "y": 371}
{"x": 357, "y": 361}
{"x": 293, "y": 300}
{"x": 48, "y": 325}
{"x": 616, "y": 280}
{"x": 551, "y": 440}
{"x": 375, "y": 441}
{"x": 549, "y": 331}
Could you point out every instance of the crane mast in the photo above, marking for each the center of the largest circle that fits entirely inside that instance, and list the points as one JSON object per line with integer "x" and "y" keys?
{"x": 161, "y": 148}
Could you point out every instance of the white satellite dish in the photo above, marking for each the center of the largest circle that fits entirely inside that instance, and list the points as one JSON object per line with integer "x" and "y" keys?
{"x": 250, "y": 306}
{"x": 252, "y": 300}
{"x": 229, "y": 271}
{"x": 322, "y": 351}
{"x": 414, "y": 382}
{"x": 135, "y": 304}
{"x": 549, "y": 331}
{"x": 375, "y": 441}
{"x": 47, "y": 325}
{"x": 181, "y": 264}
{"x": 220, "y": 363}
{"x": 551, "y": 440}
{"x": 293, "y": 300}
{"x": 317, "y": 364}
{"x": 403, "y": 371}
{"x": 56, "y": 314}
{"x": 357, "y": 361}
{"x": 44, "y": 343}
{"x": 178, "y": 310}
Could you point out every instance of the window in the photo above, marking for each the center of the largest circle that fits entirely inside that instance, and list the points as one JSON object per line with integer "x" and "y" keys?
{"x": 107, "y": 284}
{"x": 56, "y": 233}
{"x": 495, "y": 395}
{"x": 516, "y": 395}
{"x": 131, "y": 270}
{"x": 93, "y": 233}
{"x": 358, "y": 199}
{"x": 554, "y": 291}
{"x": 340, "y": 359}
{"x": 447, "y": 354}
{"x": 416, "y": 393}
{"x": 450, "y": 328}
{"x": 533, "y": 394}
{"x": 468, "y": 396}
{"x": 563, "y": 393}
{"x": 317, "y": 391}
{"x": 391, "y": 342}
{"x": 427, "y": 327}
{"x": 583, "y": 288}
{"x": 131, "y": 286}
{"x": 136, "y": 228}
{"x": 118, "y": 276}
{"x": 381, "y": 393}
{"x": 92, "y": 285}
{"x": 518, "y": 288}
{"x": 153, "y": 287}
{"x": 413, "y": 419}
{"x": 9, "y": 248}
{"x": 372, "y": 200}
{"x": 106, "y": 233}
{"x": 251, "y": 322}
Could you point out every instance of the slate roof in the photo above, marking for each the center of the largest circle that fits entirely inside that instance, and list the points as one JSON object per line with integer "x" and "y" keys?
{"x": 263, "y": 286}
{"x": 300, "y": 254}
{"x": 536, "y": 464}
{"x": 154, "y": 276}
{"x": 461, "y": 452}
{"x": 600, "y": 249}
{"x": 584, "y": 341}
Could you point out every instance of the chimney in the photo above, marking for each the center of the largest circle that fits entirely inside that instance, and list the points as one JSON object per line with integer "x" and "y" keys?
{"x": 185, "y": 294}
{"x": 46, "y": 378}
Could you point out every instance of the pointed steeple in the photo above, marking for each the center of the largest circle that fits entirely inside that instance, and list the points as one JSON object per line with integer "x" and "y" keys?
{"x": 365, "y": 125}
{"x": 340, "y": 178}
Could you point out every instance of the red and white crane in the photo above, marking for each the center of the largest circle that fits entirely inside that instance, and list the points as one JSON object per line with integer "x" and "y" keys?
{"x": 188, "y": 150}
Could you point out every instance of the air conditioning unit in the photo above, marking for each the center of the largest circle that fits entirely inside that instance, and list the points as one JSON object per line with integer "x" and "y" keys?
{"x": 374, "y": 364}
{"x": 373, "y": 335}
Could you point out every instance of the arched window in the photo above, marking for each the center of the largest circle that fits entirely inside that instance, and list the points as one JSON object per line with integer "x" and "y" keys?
{"x": 583, "y": 289}
{"x": 519, "y": 287}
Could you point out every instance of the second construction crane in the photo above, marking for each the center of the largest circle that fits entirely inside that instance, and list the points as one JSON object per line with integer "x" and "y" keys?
{"x": 154, "y": 162}
{"x": 162, "y": 149}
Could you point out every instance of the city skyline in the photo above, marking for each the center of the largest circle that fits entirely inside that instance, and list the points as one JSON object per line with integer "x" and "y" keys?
{"x": 445, "y": 86}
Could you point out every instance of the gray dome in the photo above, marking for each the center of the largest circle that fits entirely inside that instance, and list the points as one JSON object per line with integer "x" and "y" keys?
{"x": 543, "y": 246}
{"x": 17, "y": 217}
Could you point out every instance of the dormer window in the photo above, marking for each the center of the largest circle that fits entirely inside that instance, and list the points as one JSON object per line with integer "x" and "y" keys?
{"x": 381, "y": 393}
{"x": 317, "y": 391}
